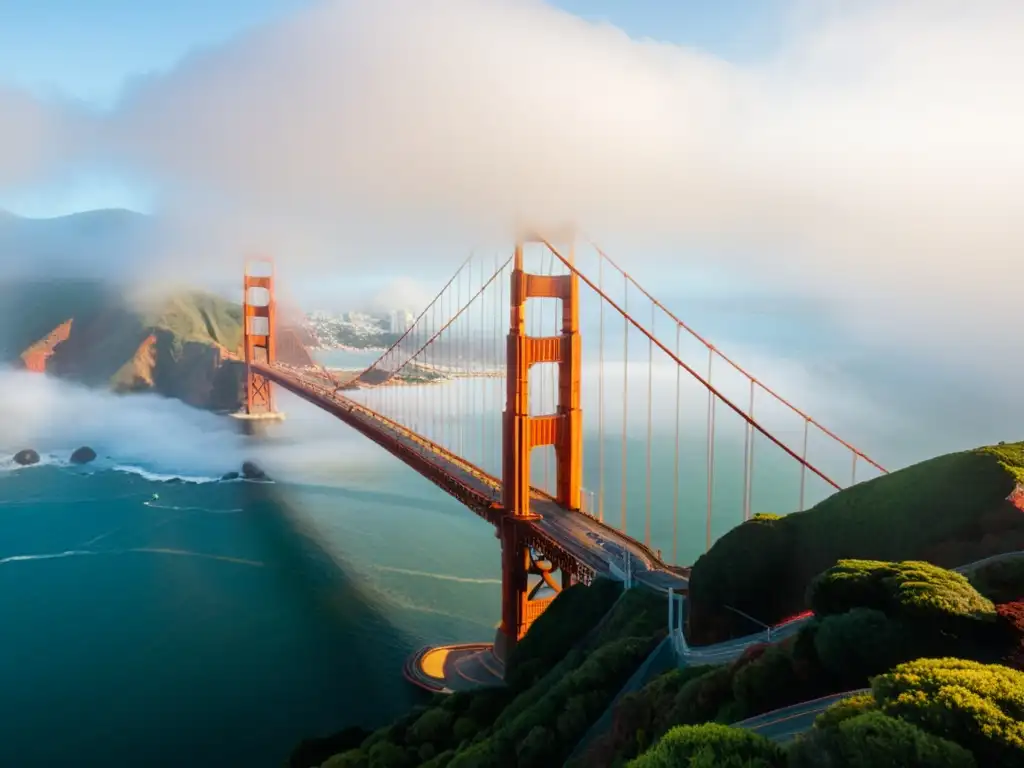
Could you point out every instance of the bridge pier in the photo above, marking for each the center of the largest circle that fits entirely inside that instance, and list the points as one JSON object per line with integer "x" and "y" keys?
{"x": 438, "y": 669}
{"x": 259, "y": 335}
{"x": 524, "y": 432}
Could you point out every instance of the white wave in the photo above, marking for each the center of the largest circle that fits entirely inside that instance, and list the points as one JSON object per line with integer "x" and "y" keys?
{"x": 206, "y": 510}
{"x": 158, "y": 477}
{"x": 45, "y": 460}
{"x": 46, "y": 556}
{"x": 139, "y": 550}
{"x": 437, "y": 576}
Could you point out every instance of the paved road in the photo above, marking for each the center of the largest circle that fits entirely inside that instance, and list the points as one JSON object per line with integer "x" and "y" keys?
{"x": 783, "y": 725}
{"x": 596, "y": 546}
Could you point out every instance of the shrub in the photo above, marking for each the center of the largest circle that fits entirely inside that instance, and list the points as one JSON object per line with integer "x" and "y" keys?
{"x": 1001, "y": 581}
{"x": 844, "y": 710}
{"x": 979, "y": 706}
{"x": 562, "y": 711}
{"x": 464, "y": 729}
{"x": 853, "y": 646}
{"x": 440, "y": 761}
{"x": 433, "y": 726}
{"x": 712, "y": 744}
{"x": 767, "y": 683}
{"x": 910, "y": 589}
{"x": 355, "y": 758}
{"x": 701, "y": 699}
{"x": 874, "y": 740}
{"x": 536, "y": 749}
{"x": 564, "y": 623}
{"x": 385, "y": 754}
{"x": 1011, "y": 619}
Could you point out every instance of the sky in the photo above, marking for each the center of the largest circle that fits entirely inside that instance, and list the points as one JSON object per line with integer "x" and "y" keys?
{"x": 860, "y": 155}
{"x": 90, "y": 53}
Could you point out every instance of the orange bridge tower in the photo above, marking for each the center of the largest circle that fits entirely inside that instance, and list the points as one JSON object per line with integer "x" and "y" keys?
{"x": 523, "y": 432}
{"x": 259, "y": 334}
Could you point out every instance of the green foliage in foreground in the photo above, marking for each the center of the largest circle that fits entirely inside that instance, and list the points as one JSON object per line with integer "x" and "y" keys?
{"x": 936, "y": 510}
{"x": 911, "y": 590}
{"x": 561, "y": 684}
{"x": 930, "y": 610}
{"x": 979, "y": 706}
{"x": 928, "y": 713}
{"x": 1001, "y": 581}
{"x": 711, "y": 745}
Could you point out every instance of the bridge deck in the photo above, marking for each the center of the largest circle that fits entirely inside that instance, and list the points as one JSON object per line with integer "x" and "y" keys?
{"x": 589, "y": 542}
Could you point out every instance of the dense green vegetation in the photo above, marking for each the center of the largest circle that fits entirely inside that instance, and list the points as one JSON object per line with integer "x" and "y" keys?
{"x": 870, "y": 617}
{"x": 1001, "y": 580}
{"x": 712, "y": 746}
{"x": 938, "y": 650}
{"x": 949, "y": 510}
{"x": 929, "y": 712}
{"x": 561, "y": 679}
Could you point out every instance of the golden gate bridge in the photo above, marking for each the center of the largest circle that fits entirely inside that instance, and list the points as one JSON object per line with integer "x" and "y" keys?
{"x": 530, "y": 426}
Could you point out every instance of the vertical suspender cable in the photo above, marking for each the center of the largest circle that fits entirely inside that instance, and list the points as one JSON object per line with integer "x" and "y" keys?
{"x": 542, "y": 393}
{"x": 711, "y": 451}
{"x": 600, "y": 393}
{"x": 557, "y": 308}
{"x": 853, "y": 472}
{"x": 675, "y": 463}
{"x": 803, "y": 465}
{"x": 650, "y": 409}
{"x": 625, "y": 390}
{"x": 748, "y": 457}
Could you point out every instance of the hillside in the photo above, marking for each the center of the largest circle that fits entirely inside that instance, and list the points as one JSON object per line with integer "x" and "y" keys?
{"x": 949, "y": 510}
{"x": 590, "y": 692}
{"x": 178, "y": 346}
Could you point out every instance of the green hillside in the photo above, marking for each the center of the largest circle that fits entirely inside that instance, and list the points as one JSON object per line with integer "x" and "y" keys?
{"x": 948, "y": 510}
{"x": 174, "y": 345}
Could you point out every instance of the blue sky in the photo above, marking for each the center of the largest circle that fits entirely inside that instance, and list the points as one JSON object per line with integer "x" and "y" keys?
{"x": 88, "y": 51}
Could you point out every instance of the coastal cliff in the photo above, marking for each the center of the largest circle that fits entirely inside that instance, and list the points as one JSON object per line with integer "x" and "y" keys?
{"x": 179, "y": 346}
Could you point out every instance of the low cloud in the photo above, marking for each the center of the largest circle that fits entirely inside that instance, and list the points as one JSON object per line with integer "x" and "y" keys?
{"x": 874, "y": 158}
{"x": 872, "y": 161}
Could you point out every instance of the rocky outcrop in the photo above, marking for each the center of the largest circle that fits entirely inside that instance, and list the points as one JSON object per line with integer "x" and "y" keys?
{"x": 83, "y": 455}
{"x": 26, "y": 458}
{"x": 251, "y": 472}
{"x": 36, "y": 356}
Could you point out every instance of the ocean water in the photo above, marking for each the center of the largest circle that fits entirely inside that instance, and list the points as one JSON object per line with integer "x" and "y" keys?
{"x": 197, "y": 622}
{"x": 204, "y": 623}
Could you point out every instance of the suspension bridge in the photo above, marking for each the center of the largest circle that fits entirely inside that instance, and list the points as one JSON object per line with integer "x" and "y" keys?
{"x": 555, "y": 397}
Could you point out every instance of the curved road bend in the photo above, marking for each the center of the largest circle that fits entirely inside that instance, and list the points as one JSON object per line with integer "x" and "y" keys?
{"x": 593, "y": 544}
{"x": 783, "y": 725}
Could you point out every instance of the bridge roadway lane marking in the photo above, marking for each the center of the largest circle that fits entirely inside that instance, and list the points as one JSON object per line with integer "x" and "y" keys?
{"x": 569, "y": 529}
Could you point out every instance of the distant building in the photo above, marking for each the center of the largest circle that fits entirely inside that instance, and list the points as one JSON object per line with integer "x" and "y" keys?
{"x": 401, "y": 320}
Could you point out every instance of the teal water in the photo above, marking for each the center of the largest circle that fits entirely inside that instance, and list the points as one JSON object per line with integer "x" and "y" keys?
{"x": 219, "y": 623}
{"x": 207, "y": 623}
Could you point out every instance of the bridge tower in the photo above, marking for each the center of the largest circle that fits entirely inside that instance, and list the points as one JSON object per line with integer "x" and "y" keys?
{"x": 523, "y": 432}
{"x": 259, "y": 323}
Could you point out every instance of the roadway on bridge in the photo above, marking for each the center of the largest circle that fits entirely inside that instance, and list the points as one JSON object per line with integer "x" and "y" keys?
{"x": 594, "y": 545}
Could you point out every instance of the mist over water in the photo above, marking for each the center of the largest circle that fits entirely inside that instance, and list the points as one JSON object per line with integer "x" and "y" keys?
{"x": 214, "y": 623}
{"x": 233, "y": 619}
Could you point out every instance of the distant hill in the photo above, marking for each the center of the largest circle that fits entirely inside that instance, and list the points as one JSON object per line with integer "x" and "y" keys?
{"x": 180, "y": 346}
{"x": 82, "y": 245}
{"x": 87, "y": 330}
